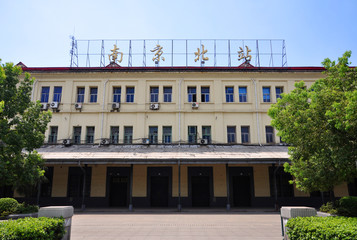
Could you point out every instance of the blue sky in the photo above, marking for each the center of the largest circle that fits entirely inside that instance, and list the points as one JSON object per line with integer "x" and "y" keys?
{"x": 37, "y": 32}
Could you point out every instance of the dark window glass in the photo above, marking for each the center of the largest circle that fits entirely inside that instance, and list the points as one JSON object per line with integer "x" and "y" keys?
{"x": 116, "y": 94}
{"x": 192, "y": 134}
{"x": 242, "y": 94}
{"x": 191, "y": 91}
{"x": 167, "y": 132}
{"x": 93, "y": 94}
{"x": 167, "y": 94}
{"x": 269, "y": 132}
{"x": 154, "y": 94}
{"x": 266, "y": 94}
{"x": 130, "y": 91}
{"x": 46, "y": 185}
{"x": 52, "y": 138}
{"x": 229, "y": 94}
{"x": 206, "y": 133}
{"x": 278, "y": 91}
{"x": 57, "y": 93}
{"x": 284, "y": 188}
{"x": 204, "y": 94}
{"x": 45, "y": 92}
{"x": 231, "y": 134}
{"x": 245, "y": 134}
{"x": 80, "y": 94}
{"x": 77, "y": 135}
{"x": 90, "y": 135}
{"x": 153, "y": 135}
{"x": 114, "y": 135}
{"x": 76, "y": 180}
{"x": 128, "y": 135}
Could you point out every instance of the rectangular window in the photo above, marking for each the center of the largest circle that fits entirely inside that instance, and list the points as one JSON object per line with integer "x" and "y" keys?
{"x": 204, "y": 94}
{"x": 130, "y": 91}
{"x": 281, "y": 179}
{"x": 206, "y": 133}
{"x": 93, "y": 94}
{"x": 77, "y": 131}
{"x": 52, "y": 138}
{"x": 266, "y": 94}
{"x": 114, "y": 135}
{"x": 153, "y": 135}
{"x": 192, "y": 134}
{"x": 231, "y": 134}
{"x": 242, "y": 94}
{"x": 167, "y": 94}
{"x": 57, "y": 93}
{"x": 229, "y": 94}
{"x": 191, "y": 92}
{"x": 76, "y": 180}
{"x": 166, "y": 134}
{"x": 278, "y": 91}
{"x": 116, "y": 94}
{"x": 154, "y": 94}
{"x": 128, "y": 135}
{"x": 90, "y": 135}
{"x": 80, "y": 94}
{"x": 45, "y": 92}
{"x": 269, "y": 132}
{"x": 245, "y": 134}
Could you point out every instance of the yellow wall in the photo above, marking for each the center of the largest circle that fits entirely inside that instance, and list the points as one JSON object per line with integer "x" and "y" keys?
{"x": 184, "y": 181}
{"x": 60, "y": 179}
{"x": 341, "y": 190}
{"x": 261, "y": 181}
{"x": 219, "y": 181}
{"x": 298, "y": 193}
{"x": 139, "y": 180}
{"x": 98, "y": 183}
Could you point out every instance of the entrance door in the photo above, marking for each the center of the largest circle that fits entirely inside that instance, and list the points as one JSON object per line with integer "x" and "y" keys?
{"x": 200, "y": 191}
{"x": 118, "y": 191}
{"x": 241, "y": 191}
{"x": 159, "y": 191}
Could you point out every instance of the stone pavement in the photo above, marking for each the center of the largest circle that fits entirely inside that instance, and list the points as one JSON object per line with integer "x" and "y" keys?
{"x": 166, "y": 225}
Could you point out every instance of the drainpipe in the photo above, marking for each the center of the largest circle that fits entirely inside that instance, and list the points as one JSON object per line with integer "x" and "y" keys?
{"x": 256, "y": 110}
{"x": 83, "y": 207}
{"x": 33, "y": 90}
{"x": 101, "y": 129}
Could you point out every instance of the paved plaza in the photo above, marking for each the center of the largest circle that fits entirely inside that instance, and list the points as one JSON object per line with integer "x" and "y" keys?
{"x": 174, "y": 225}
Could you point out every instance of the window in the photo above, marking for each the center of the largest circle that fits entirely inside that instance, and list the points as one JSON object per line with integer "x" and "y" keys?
{"x": 93, "y": 94}
{"x": 204, "y": 94}
{"x": 245, "y": 134}
{"x": 242, "y": 94}
{"x": 231, "y": 134}
{"x": 45, "y": 92}
{"x": 128, "y": 135}
{"x": 116, "y": 94}
{"x": 266, "y": 94}
{"x": 283, "y": 187}
{"x": 90, "y": 135}
{"x": 154, "y": 94}
{"x": 166, "y": 134}
{"x": 269, "y": 132}
{"x": 130, "y": 94}
{"x": 278, "y": 91}
{"x": 114, "y": 135}
{"x": 153, "y": 135}
{"x": 77, "y": 131}
{"x": 80, "y": 94}
{"x": 192, "y": 134}
{"x": 167, "y": 94}
{"x": 191, "y": 91}
{"x": 57, "y": 93}
{"x": 229, "y": 94}
{"x": 206, "y": 133}
{"x": 76, "y": 180}
{"x": 52, "y": 138}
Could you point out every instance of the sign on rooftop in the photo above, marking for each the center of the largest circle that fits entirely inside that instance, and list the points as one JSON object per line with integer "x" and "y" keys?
{"x": 178, "y": 53}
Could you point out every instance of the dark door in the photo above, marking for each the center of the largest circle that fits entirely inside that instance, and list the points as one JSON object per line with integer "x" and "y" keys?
{"x": 159, "y": 191}
{"x": 200, "y": 191}
{"x": 241, "y": 191}
{"x": 118, "y": 191}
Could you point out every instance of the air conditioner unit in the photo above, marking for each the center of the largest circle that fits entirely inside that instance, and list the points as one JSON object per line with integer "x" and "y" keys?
{"x": 66, "y": 142}
{"x": 54, "y": 105}
{"x": 104, "y": 141}
{"x": 154, "y": 106}
{"x": 116, "y": 106}
{"x": 203, "y": 141}
{"x": 44, "y": 106}
{"x": 194, "y": 105}
{"x": 145, "y": 141}
{"x": 78, "y": 106}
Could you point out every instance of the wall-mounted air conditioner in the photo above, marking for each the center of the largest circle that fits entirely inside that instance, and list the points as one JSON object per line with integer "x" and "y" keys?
{"x": 194, "y": 105}
{"x": 154, "y": 106}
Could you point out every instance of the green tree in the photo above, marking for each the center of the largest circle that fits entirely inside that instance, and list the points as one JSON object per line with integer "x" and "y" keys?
{"x": 22, "y": 128}
{"x": 320, "y": 125}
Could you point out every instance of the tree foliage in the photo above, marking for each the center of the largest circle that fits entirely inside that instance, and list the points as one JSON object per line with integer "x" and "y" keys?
{"x": 22, "y": 128}
{"x": 320, "y": 124}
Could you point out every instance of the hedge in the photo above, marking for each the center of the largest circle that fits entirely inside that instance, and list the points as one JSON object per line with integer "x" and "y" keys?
{"x": 32, "y": 228}
{"x": 8, "y": 206}
{"x": 324, "y": 228}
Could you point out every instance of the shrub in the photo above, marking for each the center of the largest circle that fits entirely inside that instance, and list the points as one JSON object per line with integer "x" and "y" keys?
{"x": 32, "y": 228}
{"x": 324, "y": 228}
{"x": 348, "y": 207}
{"x": 26, "y": 208}
{"x": 329, "y": 207}
{"x": 8, "y": 206}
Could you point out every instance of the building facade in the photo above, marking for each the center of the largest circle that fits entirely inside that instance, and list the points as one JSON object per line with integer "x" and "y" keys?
{"x": 167, "y": 136}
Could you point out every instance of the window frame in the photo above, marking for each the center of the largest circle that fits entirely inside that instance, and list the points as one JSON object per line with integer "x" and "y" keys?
{"x": 207, "y": 133}
{"x": 281, "y": 91}
{"x": 192, "y": 136}
{"x": 229, "y": 95}
{"x": 53, "y": 135}
{"x": 231, "y": 135}
{"x": 57, "y": 95}
{"x": 114, "y": 135}
{"x": 267, "y": 94}
{"x": 154, "y": 94}
{"x": 90, "y": 134}
{"x": 205, "y": 95}
{"x": 77, "y": 137}
{"x": 168, "y": 95}
{"x": 93, "y": 96}
{"x": 128, "y": 136}
{"x": 245, "y": 135}
{"x": 130, "y": 96}
{"x": 80, "y": 96}
{"x": 192, "y": 95}
{"x": 167, "y": 135}
{"x": 243, "y": 95}
{"x": 153, "y": 134}
{"x": 116, "y": 95}
{"x": 45, "y": 95}
{"x": 269, "y": 135}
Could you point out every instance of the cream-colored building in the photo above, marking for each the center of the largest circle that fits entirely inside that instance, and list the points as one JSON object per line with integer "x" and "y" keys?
{"x": 167, "y": 136}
